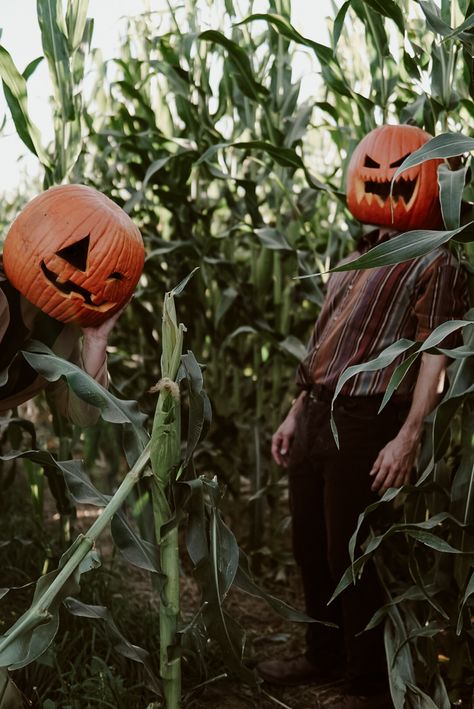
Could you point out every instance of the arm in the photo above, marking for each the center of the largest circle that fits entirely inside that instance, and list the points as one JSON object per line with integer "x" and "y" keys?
{"x": 394, "y": 463}
{"x": 94, "y": 348}
{"x": 92, "y": 358}
{"x": 283, "y": 437}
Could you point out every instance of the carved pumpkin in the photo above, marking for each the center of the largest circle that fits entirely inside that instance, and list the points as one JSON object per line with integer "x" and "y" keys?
{"x": 414, "y": 203}
{"x": 74, "y": 254}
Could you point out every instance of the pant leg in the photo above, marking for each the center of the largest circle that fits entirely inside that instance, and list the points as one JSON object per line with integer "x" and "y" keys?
{"x": 306, "y": 482}
{"x": 347, "y": 492}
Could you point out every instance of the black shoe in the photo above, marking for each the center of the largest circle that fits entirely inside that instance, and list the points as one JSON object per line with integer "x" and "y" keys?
{"x": 293, "y": 671}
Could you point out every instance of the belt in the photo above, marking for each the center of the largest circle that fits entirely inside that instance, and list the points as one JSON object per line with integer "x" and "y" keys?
{"x": 319, "y": 392}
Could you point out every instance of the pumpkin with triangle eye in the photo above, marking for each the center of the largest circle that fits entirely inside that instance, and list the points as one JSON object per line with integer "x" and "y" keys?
{"x": 74, "y": 254}
{"x": 415, "y": 199}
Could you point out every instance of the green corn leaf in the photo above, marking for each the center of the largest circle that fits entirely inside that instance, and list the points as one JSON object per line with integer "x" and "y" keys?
{"x": 422, "y": 698}
{"x": 80, "y": 485}
{"x": 243, "y": 75}
{"x": 463, "y": 28}
{"x": 407, "y": 246}
{"x": 397, "y": 377}
{"x": 31, "y": 68}
{"x": 451, "y": 186}
{"x": 56, "y": 49}
{"x": 244, "y": 581}
{"x": 389, "y": 9}
{"x": 200, "y": 413}
{"x": 273, "y": 239}
{"x": 339, "y": 22}
{"x": 121, "y": 644}
{"x": 10, "y": 695}
{"x": 14, "y": 86}
{"x": 467, "y": 594}
{"x": 76, "y": 20}
{"x": 112, "y": 409}
{"x": 446, "y": 145}
{"x": 36, "y": 629}
{"x": 323, "y": 53}
{"x": 291, "y": 345}
{"x": 401, "y": 669}
{"x": 137, "y": 551}
{"x": 433, "y": 17}
{"x": 382, "y": 360}
{"x": 286, "y": 157}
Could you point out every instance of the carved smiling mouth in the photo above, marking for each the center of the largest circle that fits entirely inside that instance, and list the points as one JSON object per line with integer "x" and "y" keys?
{"x": 403, "y": 189}
{"x": 68, "y": 287}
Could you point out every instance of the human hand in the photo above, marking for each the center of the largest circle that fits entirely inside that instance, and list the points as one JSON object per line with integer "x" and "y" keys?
{"x": 282, "y": 440}
{"x": 100, "y": 333}
{"x": 394, "y": 463}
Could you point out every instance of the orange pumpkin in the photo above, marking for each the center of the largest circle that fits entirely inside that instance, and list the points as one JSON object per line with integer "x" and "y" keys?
{"x": 74, "y": 254}
{"x": 415, "y": 197}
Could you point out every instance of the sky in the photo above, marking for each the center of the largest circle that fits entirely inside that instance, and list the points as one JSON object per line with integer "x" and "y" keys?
{"x": 21, "y": 38}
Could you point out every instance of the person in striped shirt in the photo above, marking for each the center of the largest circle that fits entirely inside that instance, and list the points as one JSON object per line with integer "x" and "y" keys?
{"x": 364, "y": 312}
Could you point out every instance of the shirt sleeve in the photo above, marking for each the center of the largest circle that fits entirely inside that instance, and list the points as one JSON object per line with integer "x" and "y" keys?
{"x": 442, "y": 296}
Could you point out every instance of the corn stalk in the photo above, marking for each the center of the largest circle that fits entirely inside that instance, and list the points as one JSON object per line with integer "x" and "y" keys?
{"x": 165, "y": 457}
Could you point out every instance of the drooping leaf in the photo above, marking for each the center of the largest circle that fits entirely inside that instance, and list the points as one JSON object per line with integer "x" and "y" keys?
{"x": 407, "y": 246}
{"x": 389, "y": 9}
{"x": 446, "y": 145}
{"x": 244, "y": 581}
{"x": 122, "y": 645}
{"x": 241, "y": 63}
{"x": 134, "y": 549}
{"x": 200, "y": 413}
{"x": 451, "y": 186}
{"x": 34, "y": 631}
{"x": 467, "y": 594}
{"x": 294, "y": 347}
{"x": 112, "y": 409}
{"x": 339, "y": 22}
{"x": 14, "y": 86}
{"x": 323, "y": 53}
{"x": 137, "y": 551}
{"x": 273, "y": 239}
{"x": 433, "y": 17}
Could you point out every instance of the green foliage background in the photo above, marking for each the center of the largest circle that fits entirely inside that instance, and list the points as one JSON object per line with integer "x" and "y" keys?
{"x": 203, "y": 138}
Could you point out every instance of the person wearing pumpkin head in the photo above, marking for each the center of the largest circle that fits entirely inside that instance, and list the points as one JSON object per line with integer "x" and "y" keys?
{"x": 364, "y": 312}
{"x": 62, "y": 284}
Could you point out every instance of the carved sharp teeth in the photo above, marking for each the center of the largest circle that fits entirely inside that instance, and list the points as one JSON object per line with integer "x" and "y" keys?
{"x": 360, "y": 190}
{"x": 379, "y": 200}
{"x": 369, "y": 197}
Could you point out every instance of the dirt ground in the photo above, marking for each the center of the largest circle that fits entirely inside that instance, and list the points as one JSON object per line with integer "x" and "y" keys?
{"x": 268, "y": 635}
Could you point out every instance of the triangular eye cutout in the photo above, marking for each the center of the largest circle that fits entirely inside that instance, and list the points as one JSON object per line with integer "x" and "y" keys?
{"x": 398, "y": 162}
{"x": 368, "y": 162}
{"x": 76, "y": 254}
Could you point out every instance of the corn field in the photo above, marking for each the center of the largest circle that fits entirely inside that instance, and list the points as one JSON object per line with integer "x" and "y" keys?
{"x": 237, "y": 182}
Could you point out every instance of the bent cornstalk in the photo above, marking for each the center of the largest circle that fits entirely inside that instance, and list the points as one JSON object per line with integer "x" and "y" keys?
{"x": 38, "y": 613}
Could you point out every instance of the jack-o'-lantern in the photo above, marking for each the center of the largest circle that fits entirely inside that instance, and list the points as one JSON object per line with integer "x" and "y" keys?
{"x": 74, "y": 254}
{"x": 414, "y": 203}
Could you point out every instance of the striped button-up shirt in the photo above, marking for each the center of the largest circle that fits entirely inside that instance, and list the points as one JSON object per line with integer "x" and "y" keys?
{"x": 365, "y": 311}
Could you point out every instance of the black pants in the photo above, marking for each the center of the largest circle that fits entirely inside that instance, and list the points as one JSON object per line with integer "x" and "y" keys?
{"x": 329, "y": 488}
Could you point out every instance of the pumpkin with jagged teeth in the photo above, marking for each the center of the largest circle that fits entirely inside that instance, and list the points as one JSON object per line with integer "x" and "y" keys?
{"x": 414, "y": 203}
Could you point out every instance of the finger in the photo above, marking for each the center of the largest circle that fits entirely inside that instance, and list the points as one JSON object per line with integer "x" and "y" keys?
{"x": 376, "y": 466}
{"x": 277, "y": 443}
{"x": 380, "y": 478}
